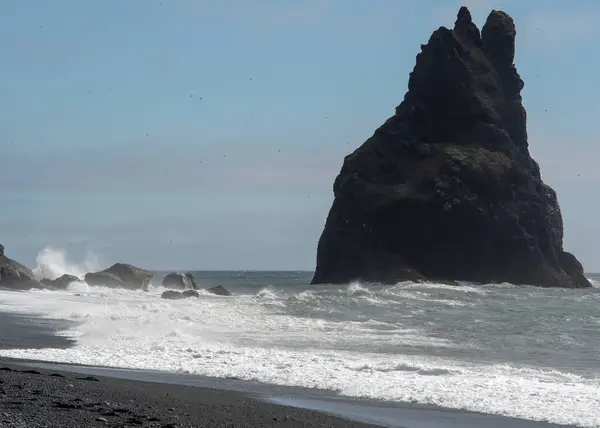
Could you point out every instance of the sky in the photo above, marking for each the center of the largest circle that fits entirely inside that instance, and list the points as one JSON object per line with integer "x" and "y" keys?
{"x": 196, "y": 134}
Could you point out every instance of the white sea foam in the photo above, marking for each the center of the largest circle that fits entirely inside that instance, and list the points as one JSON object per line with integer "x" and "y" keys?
{"x": 357, "y": 289}
{"x": 250, "y": 338}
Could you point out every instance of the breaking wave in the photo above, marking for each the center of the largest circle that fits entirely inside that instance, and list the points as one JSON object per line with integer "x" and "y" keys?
{"x": 517, "y": 351}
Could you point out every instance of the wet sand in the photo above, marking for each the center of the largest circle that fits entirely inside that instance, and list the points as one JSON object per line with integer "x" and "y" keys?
{"x": 47, "y": 398}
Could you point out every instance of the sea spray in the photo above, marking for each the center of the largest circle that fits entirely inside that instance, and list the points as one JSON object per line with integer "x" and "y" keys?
{"x": 53, "y": 263}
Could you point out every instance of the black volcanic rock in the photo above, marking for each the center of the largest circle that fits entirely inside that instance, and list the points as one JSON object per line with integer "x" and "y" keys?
{"x": 180, "y": 281}
{"x": 172, "y": 295}
{"x": 446, "y": 188}
{"x": 219, "y": 290}
{"x": 60, "y": 283}
{"x": 178, "y": 295}
{"x": 190, "y": 293}
{"x": 121, "y": 275}
{"x": 14, "y": 275}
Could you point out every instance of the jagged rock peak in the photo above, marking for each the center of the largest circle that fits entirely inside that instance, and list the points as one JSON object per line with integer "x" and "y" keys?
{"x": 464, "y": 16}
{"x": 498, "y": 35}
{"x": 464, "y": 26}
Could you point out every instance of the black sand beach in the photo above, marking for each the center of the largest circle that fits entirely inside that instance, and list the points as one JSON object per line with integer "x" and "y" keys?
{"x": 43, "y": 398}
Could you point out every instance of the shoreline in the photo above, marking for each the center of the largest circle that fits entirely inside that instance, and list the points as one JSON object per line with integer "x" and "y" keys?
{"x": 35, "y": 398}
{"x": 306, "y": 405}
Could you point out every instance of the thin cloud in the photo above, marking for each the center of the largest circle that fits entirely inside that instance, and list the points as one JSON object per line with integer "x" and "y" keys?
{"x": 160, "y": 170}
{"x": 239, "y": 169}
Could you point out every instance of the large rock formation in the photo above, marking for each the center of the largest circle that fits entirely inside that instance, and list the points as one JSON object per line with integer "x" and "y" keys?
{"x": 14, "y": 275}
{"x": 121, "y": 275}
{"x": 446, "y": 188}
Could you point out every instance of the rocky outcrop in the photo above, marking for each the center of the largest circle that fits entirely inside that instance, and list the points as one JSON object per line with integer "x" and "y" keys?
{"x": 190, "y": 293}
{"x": 446, "y": 188}
{"x": 121, "y": 275}
{"x": 14, "y": 275}
{"x": 178, "y": 295}
{"x": 60, "y": 283}
{"x": 219, "y": 290}
{"x": 16, "y": 279}
{"x": 180, "y": 281}
{"x": 171, "y": 295}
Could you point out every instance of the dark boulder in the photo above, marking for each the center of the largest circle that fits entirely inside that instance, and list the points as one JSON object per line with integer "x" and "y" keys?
{"x": 176, "y": 281}
{"x": 219, "y": 290}
{"x": 180, "y": 281}
{"x": 61, "y": 282}
{"x": 178, "y": 295}
{"x": 121, "y": 275}
{"x": 172, "y": 295}
{"x": 446, "y": 188}
{"x": 190, "y": 293}
{"x": 104, "y": 279}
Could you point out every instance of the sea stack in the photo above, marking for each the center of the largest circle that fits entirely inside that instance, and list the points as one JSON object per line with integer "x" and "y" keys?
{"x": 446, "y": 189}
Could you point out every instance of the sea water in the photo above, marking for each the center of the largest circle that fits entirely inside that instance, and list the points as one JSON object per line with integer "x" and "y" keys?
{"x": 526, "y": 352}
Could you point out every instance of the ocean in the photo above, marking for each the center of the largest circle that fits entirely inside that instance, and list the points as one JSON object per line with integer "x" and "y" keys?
{"x": 524, "y": 352}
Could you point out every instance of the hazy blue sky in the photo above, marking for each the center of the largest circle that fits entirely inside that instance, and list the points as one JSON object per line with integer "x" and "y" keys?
{"x": 207, "y": 134}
